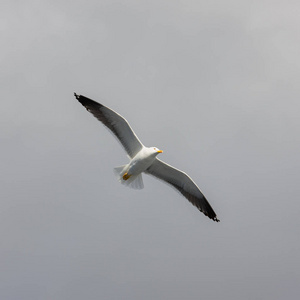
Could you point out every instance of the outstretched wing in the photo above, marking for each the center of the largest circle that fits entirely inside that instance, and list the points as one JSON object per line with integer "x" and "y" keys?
{"x": 115, "y": 122}
{"x": 184, "y": 184}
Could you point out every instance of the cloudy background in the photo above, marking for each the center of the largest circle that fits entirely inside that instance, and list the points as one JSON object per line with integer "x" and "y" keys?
{"x": 215, "y": 84}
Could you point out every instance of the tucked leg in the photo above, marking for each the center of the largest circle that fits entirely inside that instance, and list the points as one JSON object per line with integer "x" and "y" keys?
{"x": 126, "y": 176}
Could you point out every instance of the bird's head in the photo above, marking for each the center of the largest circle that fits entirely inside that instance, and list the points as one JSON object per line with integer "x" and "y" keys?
{"x": 156, "y": 150}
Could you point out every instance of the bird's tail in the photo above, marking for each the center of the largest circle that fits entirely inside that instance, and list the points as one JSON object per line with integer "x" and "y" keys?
{"x": 134, "y": 181}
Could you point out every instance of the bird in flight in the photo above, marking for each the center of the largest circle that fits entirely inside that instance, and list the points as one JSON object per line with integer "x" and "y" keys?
{"x": 144, "y": 159}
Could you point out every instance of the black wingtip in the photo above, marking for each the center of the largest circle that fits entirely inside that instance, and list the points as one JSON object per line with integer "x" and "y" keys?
{"x": 83, "y": 100}
{"x": 87, "y": 102}
{"x": 214, "y": 218}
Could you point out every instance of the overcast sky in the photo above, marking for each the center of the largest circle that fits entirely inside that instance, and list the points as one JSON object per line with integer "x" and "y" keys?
{"x": 215, "y": 84}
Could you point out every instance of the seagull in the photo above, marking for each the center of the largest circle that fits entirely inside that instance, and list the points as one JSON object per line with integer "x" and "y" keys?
{"x": 144, "y": 159}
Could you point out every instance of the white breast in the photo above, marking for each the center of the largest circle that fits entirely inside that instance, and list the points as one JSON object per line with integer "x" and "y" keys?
{"x": 141, "y": 162}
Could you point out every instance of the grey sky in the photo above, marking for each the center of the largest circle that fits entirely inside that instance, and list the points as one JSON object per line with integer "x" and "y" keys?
{"x": 215, "y": 84}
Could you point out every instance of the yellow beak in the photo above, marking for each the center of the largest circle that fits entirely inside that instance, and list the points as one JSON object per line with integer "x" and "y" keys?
{"x": 159, "y": 151}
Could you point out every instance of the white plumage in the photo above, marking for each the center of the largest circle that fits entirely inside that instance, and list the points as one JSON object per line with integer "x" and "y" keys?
{"x": 143, "y": 159}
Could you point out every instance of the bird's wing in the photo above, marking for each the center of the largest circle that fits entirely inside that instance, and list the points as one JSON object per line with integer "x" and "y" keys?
{"x": 115, "y": 122}
{"x": 184, "y": 184}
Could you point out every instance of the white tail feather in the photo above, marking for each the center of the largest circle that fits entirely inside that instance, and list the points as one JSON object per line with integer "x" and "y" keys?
{"x": 119, "y": 171}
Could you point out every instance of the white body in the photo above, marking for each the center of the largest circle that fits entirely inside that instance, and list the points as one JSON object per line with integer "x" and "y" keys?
{"x": 142, "y": 161}
{"x": 138, "y": 164}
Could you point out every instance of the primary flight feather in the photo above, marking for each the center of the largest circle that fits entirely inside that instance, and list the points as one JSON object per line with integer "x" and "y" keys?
{"x": 143, "y": 159}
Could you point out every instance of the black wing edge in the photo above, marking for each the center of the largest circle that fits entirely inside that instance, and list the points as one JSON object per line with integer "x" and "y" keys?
{"x": 207, "y": 210}
{"x": 85, "y": 101}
